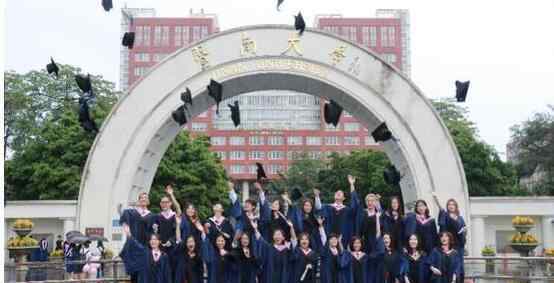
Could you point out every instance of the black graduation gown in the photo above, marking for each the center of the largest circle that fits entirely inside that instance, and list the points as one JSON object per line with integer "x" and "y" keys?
{"x": 448, "y": 263}
{"x": 427, "y": 232}
{"x": 455, "y": 227}
{"x": 367, "y": 229}
{"x": 139, "y": 260}
{"x": 418, "y": 269}
{"x": 271, "y": 221}
{"x": 306, "y": 223}
{"x": 243, "y": 222}
{"x": 275, "y": 263}
{"x": 166, "y": 229}
{"x": 360, "y": 269}
{"x": 335, "y": 268}
{"x": 140, "y": 226}
{"x": 341, "y": 221}
{"x": 187, "y": 269}
{"x": 187, "y": 229}
{"x": 221, "y": 269}
{"x": 248, "y": 267}
{"x": 394, "y": 266}
{"x": 217, "y": 229}
{"x": 300, "y": 261}
{"x": 395, "y": 228}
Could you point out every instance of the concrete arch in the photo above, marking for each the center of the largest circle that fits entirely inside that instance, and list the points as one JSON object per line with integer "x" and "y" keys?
{"x": 132, "y": 141}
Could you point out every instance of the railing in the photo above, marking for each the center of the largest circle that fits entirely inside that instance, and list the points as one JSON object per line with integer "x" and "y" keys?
{"x": 477, "y": 270}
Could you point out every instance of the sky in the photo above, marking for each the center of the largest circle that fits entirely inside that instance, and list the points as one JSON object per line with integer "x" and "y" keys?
{"x": 505, "y": 48}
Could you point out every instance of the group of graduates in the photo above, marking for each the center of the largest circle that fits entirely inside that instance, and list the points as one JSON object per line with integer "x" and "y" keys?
{"x": 282, "y": 241}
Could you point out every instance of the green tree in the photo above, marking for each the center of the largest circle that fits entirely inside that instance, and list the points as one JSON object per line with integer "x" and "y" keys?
{"x": 196, "y": 174}
{"x": 486, "y": 173}
{"x": 534, "y": 143}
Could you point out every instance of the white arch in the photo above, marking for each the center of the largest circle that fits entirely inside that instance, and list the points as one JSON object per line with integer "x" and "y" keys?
{"x": 133, "y": 139}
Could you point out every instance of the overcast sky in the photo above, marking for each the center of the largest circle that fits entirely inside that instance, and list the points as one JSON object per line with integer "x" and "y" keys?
{"x": 506, "y": 48}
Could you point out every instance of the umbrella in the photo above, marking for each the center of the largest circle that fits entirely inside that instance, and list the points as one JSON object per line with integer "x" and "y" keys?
{"x": 97, "y": 238}
{"x": 71, "y": 234}
{"x": 77, "y": 239}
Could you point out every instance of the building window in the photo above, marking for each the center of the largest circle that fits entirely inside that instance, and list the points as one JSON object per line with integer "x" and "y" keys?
{"x": 204, "y": 32}
{"x": 275, "y": 168}
{"x": 389, "y": 58}
{"x": 275, "y": 155}
{"x": 346, "y": 114}
{"x": 195, "y": 33}
{"x": 392, "y": 36}
{"x": 186, "y": 35}
{"x": 365, "y": 36}
{"x": 314, "y": 155}
{"x": 333, "y": 140}
{"x": 165, "y": 36}
{"x": 353, "y": 34}
{"x": 345, "y": 31}
{"x": 199, "y": 127}
{"x": 296, "y": 140}
{"x": 236, "y": 141}
{"x": 332, "y": 128}
{"x": 146, "y": 37}
{"x": 313, "y": 140}
{"x": 351, "y": 140}
{"x": 140, "y": 71}
{"x": 217, "y": 140}
{"x": 236, "y": 169}
{"x": 236, "y": 155}
{"x": 157, "y": 35}
{"x": 138, "y": 35}
{"x": 387, "y": 36}
{"x": 158, "y": 57}
{"x": 221, "y": 154}
{"x": 350, "y": 127}
{"x": 369, "y": 140}
{"x": 274, "y": 140}
{"x": 142, "y": 57}
{"x": 256, "y": 140}
{"x": 372, "y": 36}
{"x": 257, "y": 155}
{"x": 178, "y": 33}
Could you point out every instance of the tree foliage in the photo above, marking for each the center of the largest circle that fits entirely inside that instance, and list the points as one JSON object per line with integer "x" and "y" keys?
{"x": 534, "y": 145}
{"x": 196, "y": 174}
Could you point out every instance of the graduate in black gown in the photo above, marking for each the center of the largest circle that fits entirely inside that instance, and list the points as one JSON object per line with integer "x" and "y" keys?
{"x": 219, "y": 261}
{"x": 276, "y": 256}
{"x": 394, "y": 265}
{"x": 246, "y": 215}
{"x": 189, "y": 267}
{"x": 164, "y": 224}
{"x": 444, "y": 260}
{"x": 305, "y": 259}
{"x": 305, "y": 221}
{"x": 417, "y": 262}
{"x": 272, "y": 218}
{"x": 248, "y": 265}
{"x": 451, "y": 220}
{"x": 422, "y": 224}
{"x": 393, "y": 222}
{"x": 339, "y": 217}
{"x": 359, "y": 265}
{"x": 219, "y": 225}
{"x": 149, "y": 263}
{"x": 369, "y": 222}
{"x": 139, "y": 220}
{"x": 335, "y": 264}
{"x": 189, "y": 222}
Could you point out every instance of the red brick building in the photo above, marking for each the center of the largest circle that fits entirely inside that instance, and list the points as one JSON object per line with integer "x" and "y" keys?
{"x": 277, "y": 126}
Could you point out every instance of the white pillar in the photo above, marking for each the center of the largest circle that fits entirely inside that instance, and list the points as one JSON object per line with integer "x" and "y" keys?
{"x": 68, "y": 225}
{"x": 477, "y": 234}
{"x": 245, "y": 191}
{"x": 548, "y": 231}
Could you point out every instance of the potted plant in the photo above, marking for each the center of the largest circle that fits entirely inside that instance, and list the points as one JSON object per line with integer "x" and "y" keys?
{"x": 489, "y": 251}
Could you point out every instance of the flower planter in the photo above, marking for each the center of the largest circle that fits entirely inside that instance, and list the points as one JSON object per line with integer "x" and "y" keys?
{"x": 524, "y": 249}
{"x": 523, "y": 228}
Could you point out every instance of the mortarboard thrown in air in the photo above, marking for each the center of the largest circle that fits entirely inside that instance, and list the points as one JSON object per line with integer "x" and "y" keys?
{"x": 107, "y": 5}
{"x": 235, "y": 113}
{"x": 381, "y": 133}
{"x": 392, "y": 176}
{"x": 296, "y": 193}
{"x": 260, "y": 172}
{"x": 179, "y": 115}
{"x": 299, "y": 23}
{"x": 52, "y": 67}
{"x": 332, "y": 112}
{"x": 186, "y": 97}
{"x": 215, "y": 90}
{"x": 279, "y": 2}
{"x": 128, "y": 40}
{"x": 461, "y": 91}
{"x": 84, "y": 117}
{"x": 84, "y": 83}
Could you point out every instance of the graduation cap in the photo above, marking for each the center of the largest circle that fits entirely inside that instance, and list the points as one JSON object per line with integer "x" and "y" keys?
{"x": 296, "y": 193}
{"x": 461, "y": 90}
{"x": 381, "y": 133}
{"x": 299, "y": 23}
{"x": 215, "y": 90}
{"x": 235, "y": 113}
{"x": 84, "y": 117}
{"x": 128, "y": 40}
{"x": 179, "y": 115}
{"x": 84, "y": 83}
{"x": 332, "y": 112}
{"x": 186, "y": 97}
{"x": 52, "y": 67}
{"x": 392, "y": 176}
{"x": 107, "y": 4}
{"x": 260, "y": 172}
{"x": 279, "y": 2}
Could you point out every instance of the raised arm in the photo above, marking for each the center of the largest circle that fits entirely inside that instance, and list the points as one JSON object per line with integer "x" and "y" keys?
{"x": 169, "y": 191}
{"x": 437, "y": 201}
{"x": 355, "y": 202}
{"x": 317, "y": 200}
{"x": 322, "y": 234}
{"x": 293, "y": 238}
{"x": 178, "y": 228}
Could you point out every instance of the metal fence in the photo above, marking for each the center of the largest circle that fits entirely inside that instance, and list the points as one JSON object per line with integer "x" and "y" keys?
{"x": 477, "y": 270}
